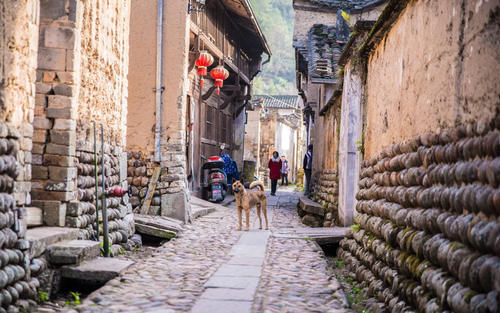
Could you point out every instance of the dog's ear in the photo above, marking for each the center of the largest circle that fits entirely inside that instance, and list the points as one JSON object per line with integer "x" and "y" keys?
{"x": 234, "y": 180}
{"x": 241, "y": 181}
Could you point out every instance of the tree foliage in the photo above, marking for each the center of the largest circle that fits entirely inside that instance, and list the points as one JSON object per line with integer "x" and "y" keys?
{"x": 276, "y": 18}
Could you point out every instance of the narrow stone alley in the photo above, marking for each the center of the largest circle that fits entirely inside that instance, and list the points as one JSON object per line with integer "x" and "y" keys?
{"x": 211, "y": 267}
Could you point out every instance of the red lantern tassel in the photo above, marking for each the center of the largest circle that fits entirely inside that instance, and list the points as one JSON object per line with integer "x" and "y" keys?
{"x": 201, "y": 82}
{"x": 218, "y": 91}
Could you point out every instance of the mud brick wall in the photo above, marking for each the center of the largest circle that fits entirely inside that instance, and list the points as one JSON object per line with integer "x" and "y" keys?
{"x": 81, "y": 213}
{"x": 428, "y": 234}
{"x": 327, "y": 191}
{"x": 15, "y": 279}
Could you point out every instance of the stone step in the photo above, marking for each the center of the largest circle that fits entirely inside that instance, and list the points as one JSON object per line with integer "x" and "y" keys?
{"x": 96, "y": 271}
{"x": 311, "y": 207}
{"x": 41, "y": 237}
{"x": 34, "y": 216}
{"x": 73, "y": 251}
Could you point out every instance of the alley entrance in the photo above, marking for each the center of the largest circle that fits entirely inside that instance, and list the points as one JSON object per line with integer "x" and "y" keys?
{"x": 211, "y": 267}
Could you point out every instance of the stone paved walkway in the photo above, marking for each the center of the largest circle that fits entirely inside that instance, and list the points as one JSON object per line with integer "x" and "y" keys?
{"x": 213, "y": 268}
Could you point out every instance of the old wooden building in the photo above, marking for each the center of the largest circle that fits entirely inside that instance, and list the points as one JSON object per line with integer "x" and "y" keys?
{"x": 229, "y": 31}
{"x": 172, "y": 120}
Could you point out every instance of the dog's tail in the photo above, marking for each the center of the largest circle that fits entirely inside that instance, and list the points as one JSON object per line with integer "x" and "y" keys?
{"x": 258, "y": 184}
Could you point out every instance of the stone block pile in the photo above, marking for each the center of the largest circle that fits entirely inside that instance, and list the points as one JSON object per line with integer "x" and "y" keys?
{"x": 15, "y": 279}
{"x": 169, "y": 196}
{"x": 322, "y": 208}
{"x": 428, "y": 234}
{"x": 139, "y": 172}
{"x": 81, "y": 214}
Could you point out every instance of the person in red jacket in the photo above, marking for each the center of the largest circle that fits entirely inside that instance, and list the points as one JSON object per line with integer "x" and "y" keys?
{"x": 274, "y": 171}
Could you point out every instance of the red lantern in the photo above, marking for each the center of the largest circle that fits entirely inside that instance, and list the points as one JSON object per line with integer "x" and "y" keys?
{"x": 219, "y": 74}
{"x": 204, "y": 60}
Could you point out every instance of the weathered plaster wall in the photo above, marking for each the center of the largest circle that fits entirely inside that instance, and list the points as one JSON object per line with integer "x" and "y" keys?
{"x": 437, "y": 66}
{"x": 252, "y": 136}
{"x": 104, "y": 31}
{"x": 18, "y": 48}
{"x": 141, "y": 77}
{"x": 351, "y": 127}
{"x": 175, "y": 79}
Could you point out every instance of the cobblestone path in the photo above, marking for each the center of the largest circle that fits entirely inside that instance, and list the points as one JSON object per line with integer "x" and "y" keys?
{"x": 293, "y": 277}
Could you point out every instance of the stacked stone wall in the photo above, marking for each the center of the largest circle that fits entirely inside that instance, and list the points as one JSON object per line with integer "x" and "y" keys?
{"x": 170, "y": 187}
{"x": 15, "y": 278}
{"x": 139, "y": 173}
{"x": 428, "y": 233}
{"x": 81, "y": 214}
{"x": 326, "y": 194}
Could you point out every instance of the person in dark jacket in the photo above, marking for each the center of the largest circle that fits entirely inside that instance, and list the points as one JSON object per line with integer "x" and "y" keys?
{"x": 308, "y": 168}
{"x": 274, "y": 171}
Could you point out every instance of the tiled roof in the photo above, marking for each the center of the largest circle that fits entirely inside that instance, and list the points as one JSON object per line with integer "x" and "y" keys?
{"x": 323, "y": 52}
{"x": 345, "y": 4}
{"x": 277, "y": 102}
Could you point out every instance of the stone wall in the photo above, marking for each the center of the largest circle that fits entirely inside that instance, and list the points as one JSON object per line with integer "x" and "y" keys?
{"x": 18, "y": 48}
{"x": 15, "y": 280}
{"x": 325, "y": 193}
{"x": 103, "y": 29}
{"x": 81, "y": 76}
{"x": 81, "y": 214}
{"x": 428, "y": 224}
{"x": 453, "y": 79}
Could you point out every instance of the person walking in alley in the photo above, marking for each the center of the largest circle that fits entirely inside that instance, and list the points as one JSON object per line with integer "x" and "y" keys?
{"x": 308, "y": 168}
{"x": 274, "y": 171}
{"x": 284, "y": 170}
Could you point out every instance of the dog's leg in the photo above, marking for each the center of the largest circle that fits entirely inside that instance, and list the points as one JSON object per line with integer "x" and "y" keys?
{"x": 247, "y": 215}
{"x": 239, "y": 217}
{"x": 258, "y": 214}
{"x": 264, "y": 210}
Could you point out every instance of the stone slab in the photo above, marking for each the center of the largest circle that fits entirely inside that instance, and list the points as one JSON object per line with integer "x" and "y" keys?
{"x": 175, "y": 205}
{"x": 323, "y": 235}
{"x": 239, "y": 270}
{"x": 41, "y": 237}
{"x": 197, "y": 211}
{"x": 228, "y": 294}
{"x": 99, "y": 270}
{"x": 253, "y": 261}
{"x": 154, "y": 231}
{"x": 248, "y": 251}
{"x": 73, "y": 251}
{"x": 312, "y": 207}
{"x": 34, "y": 216}
{"x": 159, "y": 221}
{"x": 232, "y": 282}
{"x": 221, "y": 306}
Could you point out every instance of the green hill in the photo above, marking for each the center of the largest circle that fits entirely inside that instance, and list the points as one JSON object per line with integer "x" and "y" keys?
{"x": 276, "y": 18}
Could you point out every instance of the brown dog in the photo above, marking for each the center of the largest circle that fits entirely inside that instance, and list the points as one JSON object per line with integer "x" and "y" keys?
{"x": 246, "y": 199}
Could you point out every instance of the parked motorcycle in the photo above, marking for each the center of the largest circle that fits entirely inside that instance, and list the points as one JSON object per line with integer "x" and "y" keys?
{"x": 214, "y": 187}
